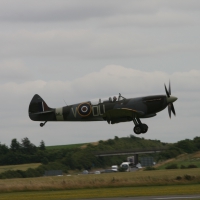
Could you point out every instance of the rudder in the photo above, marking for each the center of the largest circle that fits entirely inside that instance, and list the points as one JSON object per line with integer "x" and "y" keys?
{"x": 39, "y": 110}
{"x": 38, "y": 105}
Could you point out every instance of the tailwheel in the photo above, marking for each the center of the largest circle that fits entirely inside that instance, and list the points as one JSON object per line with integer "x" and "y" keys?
{"x": 137, "y": 129}
{"x": 42, "y": 124}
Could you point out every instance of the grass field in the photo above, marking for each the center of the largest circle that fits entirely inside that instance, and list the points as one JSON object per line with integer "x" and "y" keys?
{"x": 66, "y": 146}
{"x": 108, "y": 180}
{"x": 121, "y": 184}
{"x": 185, "y": 159}
{"x": 103, "y": 192}
{"x": 22, "y": 167}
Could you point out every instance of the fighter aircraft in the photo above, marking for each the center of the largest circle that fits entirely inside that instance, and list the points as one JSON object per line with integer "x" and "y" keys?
{"x": 114, "y": 110}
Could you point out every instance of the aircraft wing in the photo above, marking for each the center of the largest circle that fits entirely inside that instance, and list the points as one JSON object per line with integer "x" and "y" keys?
{"x": 123, "y": 113}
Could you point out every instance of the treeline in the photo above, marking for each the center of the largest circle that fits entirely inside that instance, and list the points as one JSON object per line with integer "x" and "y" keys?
{"x": 21, "y": 153}
{"x": 84, "y": 158}
{"x": 183, "y": 146}
{"x": 74, "y": 158}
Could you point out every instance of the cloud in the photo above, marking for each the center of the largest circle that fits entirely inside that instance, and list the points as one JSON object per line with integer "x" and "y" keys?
{"x": 89, "y": 44}
{"x": 14, "y": 71}
{"x": 97, "y": 30}
{"x": 50, "y": 11}
{"x": 110, "y": 80}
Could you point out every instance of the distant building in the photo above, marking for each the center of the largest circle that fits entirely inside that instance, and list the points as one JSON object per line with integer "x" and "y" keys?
{"x": 53, "y": 173}
{"x": 147, "y": 161}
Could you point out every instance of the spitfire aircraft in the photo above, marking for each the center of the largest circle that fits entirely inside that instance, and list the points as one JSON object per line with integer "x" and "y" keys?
{"x": 114, "y": 110}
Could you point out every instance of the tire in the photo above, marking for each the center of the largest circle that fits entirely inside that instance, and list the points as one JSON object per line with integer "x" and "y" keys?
{"x": 144, "y": 128}
{"x": 137, "y": 129}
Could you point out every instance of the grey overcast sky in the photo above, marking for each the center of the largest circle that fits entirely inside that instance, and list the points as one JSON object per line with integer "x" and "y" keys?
{"x": 77, "y": 50}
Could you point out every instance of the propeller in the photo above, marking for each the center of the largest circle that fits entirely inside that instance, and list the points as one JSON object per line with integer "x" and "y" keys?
{"x": 170, "y": 100}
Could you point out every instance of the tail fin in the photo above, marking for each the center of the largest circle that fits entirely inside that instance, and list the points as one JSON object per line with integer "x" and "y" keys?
{"x": 39, "y": 110}
{"x": 38, "y": 105}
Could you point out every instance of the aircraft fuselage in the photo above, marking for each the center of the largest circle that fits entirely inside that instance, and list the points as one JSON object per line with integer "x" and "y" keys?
{"x": 146, "y": 106}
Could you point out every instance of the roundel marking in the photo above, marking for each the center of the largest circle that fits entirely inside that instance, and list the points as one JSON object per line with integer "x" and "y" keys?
{"x": 84, "y": 109}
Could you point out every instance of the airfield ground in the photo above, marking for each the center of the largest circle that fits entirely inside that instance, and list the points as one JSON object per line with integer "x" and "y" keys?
{"x": 22, "y": 167}
{"x": 103, "y": 193}
{"x": 140, "y": 183}
{"x": 120, "y": 184}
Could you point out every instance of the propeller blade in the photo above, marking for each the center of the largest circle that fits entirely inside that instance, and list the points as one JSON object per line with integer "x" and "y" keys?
{"x": 169, "y": 109}
{"x": 173, "y": 110}
{"x": 171, "y": 99}
{"x": 167, "y": 91}
{"x": 169, "y": 88}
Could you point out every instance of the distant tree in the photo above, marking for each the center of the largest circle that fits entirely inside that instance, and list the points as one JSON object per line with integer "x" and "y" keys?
{"x": 186, "y": 145}
{"x": 132, "y": 136}
{"x": 116, "y": 138}
{"x": 197, "y": 142}
{"x": 15, "y": 145}
{"x": 27, "y": 146}
{"x": 110, "y": 142}
{"x": 172, "y": 166}
{"x": 3, "y": 149}
{"x": 42, "y": 146}
{"x": 44, "y": 161}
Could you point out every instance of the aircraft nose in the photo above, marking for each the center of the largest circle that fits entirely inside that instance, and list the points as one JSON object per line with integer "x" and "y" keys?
{"x": 171, "y": 99}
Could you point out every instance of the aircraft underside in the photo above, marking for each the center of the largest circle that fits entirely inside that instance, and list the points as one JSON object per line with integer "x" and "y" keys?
{"x": 138, "y": 129}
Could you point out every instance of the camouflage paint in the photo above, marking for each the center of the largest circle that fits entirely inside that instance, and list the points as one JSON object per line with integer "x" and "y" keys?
{"x": 119, "y": 111}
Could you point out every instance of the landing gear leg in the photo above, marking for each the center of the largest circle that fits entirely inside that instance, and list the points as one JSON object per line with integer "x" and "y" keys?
{"x": 42, "y": 124}
{"x": 139, "y": 127}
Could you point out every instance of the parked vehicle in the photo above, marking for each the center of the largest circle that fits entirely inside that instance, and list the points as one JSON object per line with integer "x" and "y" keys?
{"x": 114, "y": 167}
{"x": 108, "y": 171}
{"x": 85, "y": 172}
{"x": 139, "y": 166}
{"x": 126, "y": 166}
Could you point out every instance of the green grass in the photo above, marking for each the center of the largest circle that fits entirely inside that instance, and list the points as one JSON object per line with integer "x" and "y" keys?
{"x": 103, "y": 192}
{"x": 107, "y": 180}
{"x": 124, "y": 184}
{"x": 22, "y": 167}
{"x": 179, "y": 163}
{"x": 65, "y": 146}
{"x": 186, "y": 159}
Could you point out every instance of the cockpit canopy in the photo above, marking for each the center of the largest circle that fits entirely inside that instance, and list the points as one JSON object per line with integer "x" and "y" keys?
{"x": 111, "y": 99}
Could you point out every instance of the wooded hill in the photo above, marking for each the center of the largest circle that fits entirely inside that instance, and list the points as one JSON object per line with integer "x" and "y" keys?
{"x": 83, "y": 156}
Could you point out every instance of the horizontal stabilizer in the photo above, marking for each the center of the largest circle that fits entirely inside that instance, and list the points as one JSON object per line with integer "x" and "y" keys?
{"x": 45, "y": 112}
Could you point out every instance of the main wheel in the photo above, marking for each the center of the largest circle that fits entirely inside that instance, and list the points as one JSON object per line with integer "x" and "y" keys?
{"x": 144, "y": 128}
{"x": 137, "y": 129}
{"x": 41, "y": 124}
